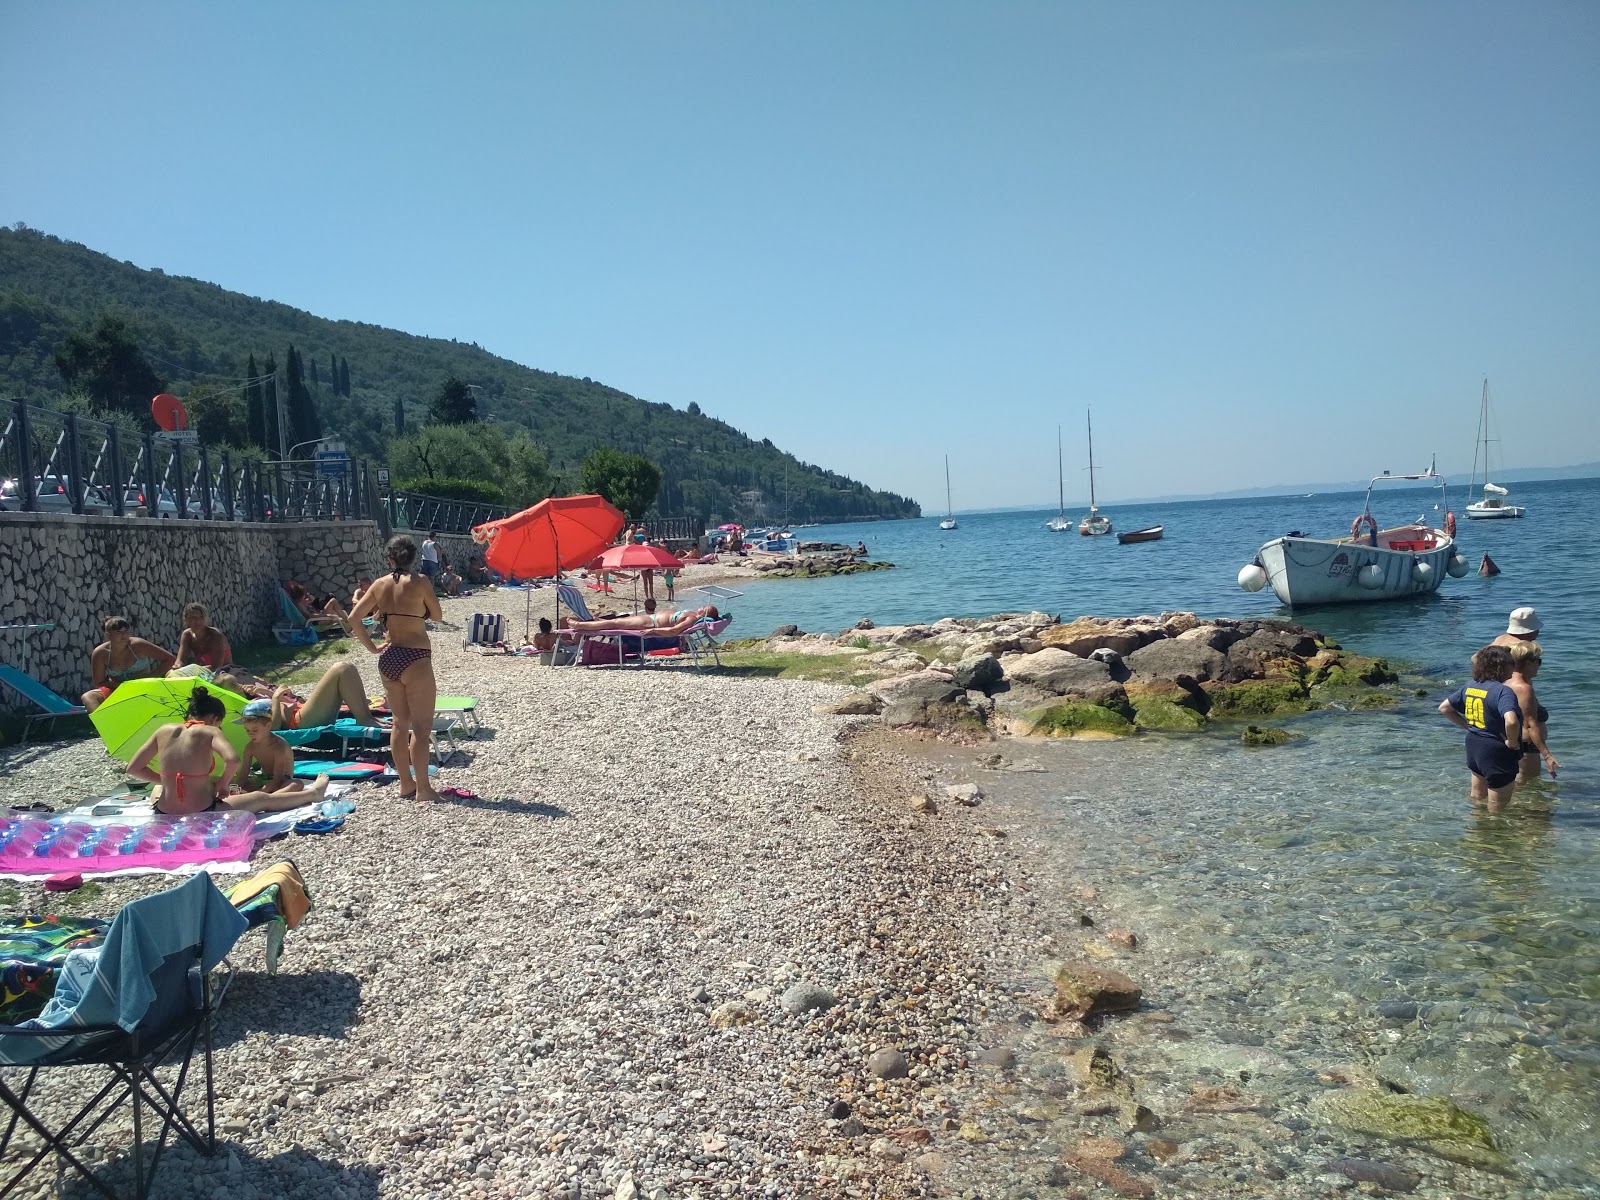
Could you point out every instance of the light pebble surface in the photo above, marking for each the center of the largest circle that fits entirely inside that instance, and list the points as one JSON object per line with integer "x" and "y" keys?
{"x": 513, "y": 996}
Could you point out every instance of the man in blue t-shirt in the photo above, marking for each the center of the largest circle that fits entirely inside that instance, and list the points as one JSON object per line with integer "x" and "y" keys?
{"x": 1488, "y": 710}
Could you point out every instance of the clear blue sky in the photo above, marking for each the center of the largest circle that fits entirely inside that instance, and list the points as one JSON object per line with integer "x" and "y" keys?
{"x": 1267, "y": 242}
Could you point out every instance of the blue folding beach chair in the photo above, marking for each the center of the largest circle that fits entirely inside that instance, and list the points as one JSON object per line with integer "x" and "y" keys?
{"x": 41, "y": 697}
{"x": 138, "y": 1003}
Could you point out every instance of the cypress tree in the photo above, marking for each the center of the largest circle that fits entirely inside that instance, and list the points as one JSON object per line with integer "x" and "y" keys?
{"x": 344, "y": 375}
{"x": 303, "y": 423}
{"x": 255, "y": 411}
{"x": 333, "y": 373}
{"x": 314, "y": 378}
{"x": 399, "y": 418}
{"x": 269, "y": 403}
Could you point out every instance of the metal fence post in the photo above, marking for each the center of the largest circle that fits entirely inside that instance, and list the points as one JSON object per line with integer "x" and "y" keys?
{"x": 228, "y": 501}
{"x": 114, "y": 471}
{"x": 152, "y": 497}
{"x": 30, "y": 492}
{"x": 251, "y": 501}
{"x": 205, "y": 482}
{"x": 74, "y": 464}
{"x": 180, "y": 485}
{"x": 283, "y": 494}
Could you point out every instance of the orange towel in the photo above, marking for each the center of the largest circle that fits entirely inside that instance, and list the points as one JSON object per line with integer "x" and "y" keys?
{"x": 293, "y": 899}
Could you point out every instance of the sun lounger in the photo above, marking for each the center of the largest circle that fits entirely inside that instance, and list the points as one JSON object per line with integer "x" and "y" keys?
{"x": 41, "y": 697}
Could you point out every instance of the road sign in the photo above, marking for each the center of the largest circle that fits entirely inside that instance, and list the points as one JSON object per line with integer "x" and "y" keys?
{"x": 187, "y": 437}
{"x": 383, "y": 476}
{"x": 332, "y": 462}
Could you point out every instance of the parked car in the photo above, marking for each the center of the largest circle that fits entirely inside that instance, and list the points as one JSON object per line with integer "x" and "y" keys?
{"x": 52, "y": 493}
{"x": 133, "y": 500}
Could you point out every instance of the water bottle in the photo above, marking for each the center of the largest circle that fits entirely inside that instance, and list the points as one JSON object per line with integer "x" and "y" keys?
{"x": 336, "y": 808}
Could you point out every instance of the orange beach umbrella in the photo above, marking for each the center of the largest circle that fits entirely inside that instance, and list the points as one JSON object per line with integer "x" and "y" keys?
{"x": 555, "y": 535}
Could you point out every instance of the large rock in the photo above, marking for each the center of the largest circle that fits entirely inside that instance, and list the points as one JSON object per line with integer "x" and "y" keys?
{"x": 981, "y": 672}
{"x": 931, "y": 685}
{"x": 1251, "y": 654}
{"x": 1218, "y": 637}
{"x": 1174, "y": 659}
{"x": 1077, "y": 718}
{"x": 1432, "y": 1123}
{"x": 1122, "y": 634}
{"x": 855, "y": 704}
{"x": 1084, "y": 990}
{"x": 1061, "y": 673}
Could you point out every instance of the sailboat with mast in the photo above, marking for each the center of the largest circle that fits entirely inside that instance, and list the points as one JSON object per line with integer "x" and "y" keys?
{"x": 1493, "y": 506}
{"x": 1059, "y": 522}
{"x": 949, "y": 521}
{"x": 1093, "y": 525}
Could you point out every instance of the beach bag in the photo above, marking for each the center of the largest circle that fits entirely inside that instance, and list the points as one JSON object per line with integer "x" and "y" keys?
{"x": 598, "y": 653}
{"x": 486, "y": 629}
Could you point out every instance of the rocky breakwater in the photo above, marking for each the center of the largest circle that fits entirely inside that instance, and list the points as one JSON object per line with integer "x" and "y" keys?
{"x": 1030, "y": 674}
{"x": 815, "y": 566}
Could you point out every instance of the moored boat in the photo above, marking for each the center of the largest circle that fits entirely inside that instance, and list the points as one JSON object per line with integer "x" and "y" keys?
{"x": 1493, "y": 506}
{"x": 1151, "y": 534}
{"x": 1059, "y": 522}
{"x": 949, "y": 521}
{"x": 1095, "y": 524}
{"x": 1370, "y": 564}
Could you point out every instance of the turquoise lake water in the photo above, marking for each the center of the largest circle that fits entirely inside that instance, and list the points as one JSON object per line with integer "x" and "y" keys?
{"x": 1346, "y": 871}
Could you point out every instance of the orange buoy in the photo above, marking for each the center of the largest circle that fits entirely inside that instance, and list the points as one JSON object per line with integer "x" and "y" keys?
{"x": 1487, "y": 569}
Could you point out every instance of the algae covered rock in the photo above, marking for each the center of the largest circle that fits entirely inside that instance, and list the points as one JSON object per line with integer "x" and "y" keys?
{"x": 1432, "y": 1123}
{"x": 1274, "y": 696}
{"x": 1164, "y": 714}
{"x": 1254, "y": 735}
{"x": 1075, "y": 719}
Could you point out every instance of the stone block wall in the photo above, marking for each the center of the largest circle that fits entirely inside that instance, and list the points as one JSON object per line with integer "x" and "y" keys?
{"x": 75, "y": 571}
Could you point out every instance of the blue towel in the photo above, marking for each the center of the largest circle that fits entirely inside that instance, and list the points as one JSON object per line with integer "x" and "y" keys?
{"x": 110, "y": 984}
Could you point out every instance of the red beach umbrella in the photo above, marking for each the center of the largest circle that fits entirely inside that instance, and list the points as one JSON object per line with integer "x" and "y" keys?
{"x": 555, "y": 535}
{"x": 634, "y": 557}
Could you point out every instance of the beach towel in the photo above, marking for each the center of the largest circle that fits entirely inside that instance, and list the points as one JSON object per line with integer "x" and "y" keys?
{"x": 279, "y": 890}
{"x": 336, "y": 770}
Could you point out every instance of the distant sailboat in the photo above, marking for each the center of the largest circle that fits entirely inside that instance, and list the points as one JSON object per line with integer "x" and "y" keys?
{"x": 1093, "y": 525}
{"x": 1492, "y": 506}
{"x": 949, "y": 521}
{"x": 1059, "y": 522}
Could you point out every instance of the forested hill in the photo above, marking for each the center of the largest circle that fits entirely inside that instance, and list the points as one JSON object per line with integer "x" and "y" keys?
{"x": 198, "y": 337}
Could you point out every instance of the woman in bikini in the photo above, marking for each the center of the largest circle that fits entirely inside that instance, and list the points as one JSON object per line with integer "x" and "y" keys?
{"x": 186, "y": 782}
{"x": 665, "y": 624}
{"x": 202, "y": 643}
{"x": 122, "y": 657}
{"x": 1526, "y": 658}
{"x": 408, "y": 602}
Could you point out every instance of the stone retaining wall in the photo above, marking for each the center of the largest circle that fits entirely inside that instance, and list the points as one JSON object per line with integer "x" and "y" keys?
{"x": 77, "y": 570}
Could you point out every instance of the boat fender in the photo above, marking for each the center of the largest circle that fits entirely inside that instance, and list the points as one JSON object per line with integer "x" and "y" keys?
{"x": 1370, "y": 577}
{"x": 1457, "y": 566}
{"x": 1252, "y": 577}
{"x": 1368, "y": 522}
{"x": 1421, "y": 571}
{"x": 1449, "y": 524}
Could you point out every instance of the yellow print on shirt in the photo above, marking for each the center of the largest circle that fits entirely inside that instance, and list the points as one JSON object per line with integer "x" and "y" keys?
{"x": 1474, "y": 714}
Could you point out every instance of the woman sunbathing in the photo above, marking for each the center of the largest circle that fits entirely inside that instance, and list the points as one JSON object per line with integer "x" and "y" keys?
{"x": 664, "y": 624}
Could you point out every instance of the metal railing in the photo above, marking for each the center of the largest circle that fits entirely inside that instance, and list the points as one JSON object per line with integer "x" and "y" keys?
{"x": 421, "y": 513}
{"x": 64, "y": 463}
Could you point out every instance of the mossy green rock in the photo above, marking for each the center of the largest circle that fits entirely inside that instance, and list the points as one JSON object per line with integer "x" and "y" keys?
{"x": 1352, "y": 671}
{"x": 1254, "y": 735}
{"x": 1164, "y": 714}
{"x": 1432, "y": 1123}
{"x": 1259, "y": 698}
{"x": 1069, "y": 720}
{"x": 1376, "y": 700}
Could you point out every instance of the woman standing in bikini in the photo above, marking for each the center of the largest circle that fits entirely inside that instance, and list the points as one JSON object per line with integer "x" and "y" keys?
{"x": 407, "y": 601}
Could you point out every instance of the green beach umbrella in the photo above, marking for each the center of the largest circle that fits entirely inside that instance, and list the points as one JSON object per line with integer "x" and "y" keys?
{"x": 139, "y": 707}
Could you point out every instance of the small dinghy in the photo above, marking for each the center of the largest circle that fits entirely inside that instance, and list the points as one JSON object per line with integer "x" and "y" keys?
{"x": 1152, "y": 534}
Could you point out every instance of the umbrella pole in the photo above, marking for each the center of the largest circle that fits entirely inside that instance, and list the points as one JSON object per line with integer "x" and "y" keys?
{"x": 555, "y": 541}
{"x": 527, "y": 611}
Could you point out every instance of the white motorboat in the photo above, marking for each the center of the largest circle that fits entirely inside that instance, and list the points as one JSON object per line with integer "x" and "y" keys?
{"x": 1370, "y": 564}
{"x": 1493, "y": 506}
{"x": 1059, "y": 522}
{"x": 1093, "y": 525}
{"x": 949, "y": 521}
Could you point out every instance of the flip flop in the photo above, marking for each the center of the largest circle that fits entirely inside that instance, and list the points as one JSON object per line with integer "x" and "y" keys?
{"x": 460, "y": 793}
{"x": 318, "y": 824}
{"x": 411, "y": 795}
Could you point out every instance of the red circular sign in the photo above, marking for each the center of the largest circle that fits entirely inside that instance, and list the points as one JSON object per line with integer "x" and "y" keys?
{"x": 169, "y": 412}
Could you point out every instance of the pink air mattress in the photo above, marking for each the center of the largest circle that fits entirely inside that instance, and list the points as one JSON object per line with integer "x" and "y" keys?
{"x": 46, "y": 844}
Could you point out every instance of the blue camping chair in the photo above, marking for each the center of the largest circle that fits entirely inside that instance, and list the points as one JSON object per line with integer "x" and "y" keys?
{"x": 41, "y": 697}
{"x": 143, "y": 997}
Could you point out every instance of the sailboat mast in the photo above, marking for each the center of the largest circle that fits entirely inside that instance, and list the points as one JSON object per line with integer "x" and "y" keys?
{"x": 948, "y": 510}
{"x": 1061, "y": 481}
{"x": 1090, "y": 419}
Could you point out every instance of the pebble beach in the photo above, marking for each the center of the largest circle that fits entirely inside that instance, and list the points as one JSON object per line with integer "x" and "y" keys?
{"x": 653, "y": 959}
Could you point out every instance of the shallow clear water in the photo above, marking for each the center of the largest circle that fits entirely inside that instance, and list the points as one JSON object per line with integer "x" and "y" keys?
{"x": 1291, "y": 891}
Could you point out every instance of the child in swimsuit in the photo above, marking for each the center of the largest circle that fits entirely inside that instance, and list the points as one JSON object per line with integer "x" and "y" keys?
{"x": 188, "y": 781}
{"x": 1488, "y": 710}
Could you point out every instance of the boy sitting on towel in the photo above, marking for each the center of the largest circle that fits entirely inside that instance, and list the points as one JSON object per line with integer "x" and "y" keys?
{"x": 267, "y": 764}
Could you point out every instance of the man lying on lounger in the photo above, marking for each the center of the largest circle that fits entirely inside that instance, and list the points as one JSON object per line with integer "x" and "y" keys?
{"x": 672, "y": 624}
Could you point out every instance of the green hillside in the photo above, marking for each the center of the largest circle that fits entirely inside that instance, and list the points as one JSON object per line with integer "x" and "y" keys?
{"x": 200, "y": 338}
